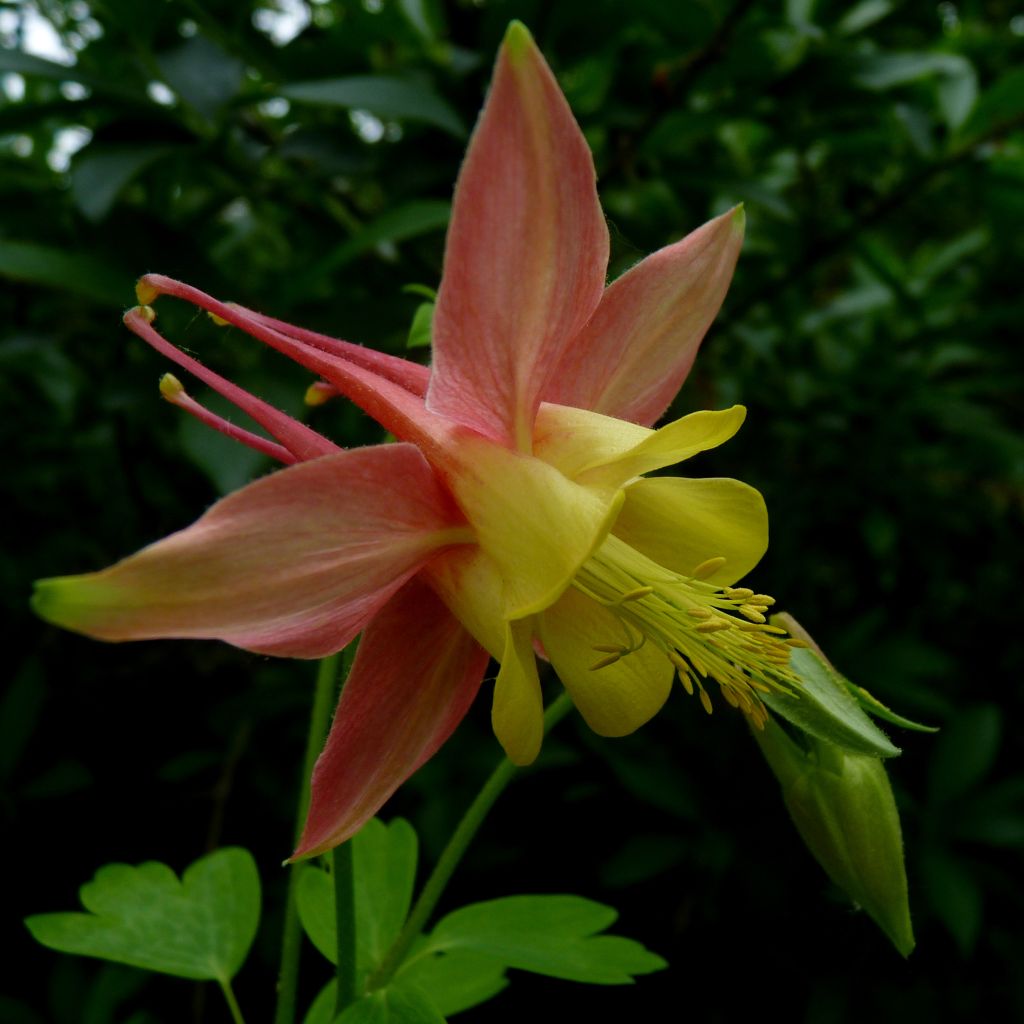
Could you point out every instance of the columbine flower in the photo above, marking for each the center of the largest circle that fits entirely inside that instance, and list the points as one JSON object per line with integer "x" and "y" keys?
{"x": 514, "y": 509}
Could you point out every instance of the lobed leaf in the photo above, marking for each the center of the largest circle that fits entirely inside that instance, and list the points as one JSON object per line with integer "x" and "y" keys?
{"x": 200, "y": 927}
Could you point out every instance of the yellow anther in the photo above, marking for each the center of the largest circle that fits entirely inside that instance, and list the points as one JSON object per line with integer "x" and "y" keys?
{"x": 738, "y": 593}
{"x": 318, "y": 393}
{"x": 749, "y": 612}
{"x": 699, "y": 613}
{"x": 171, "y": 388}
{"x": 714, "y": 626}
{"x": 762, "y": 599}
{"x": 218, "y": 320}
{"x": 705, "y": 700}
{"x": 684, "y": 678}
{"x": 756, "y": 627}
{"x": 730, "y": 697}
{"x": 147, "y": 313}
{"x": 635, "y": 595}
{"x": 796, "y": 642}
{"x": 605, "y": 662}
{"x": 708, "y": 568}
{"x": 145, "y": 292}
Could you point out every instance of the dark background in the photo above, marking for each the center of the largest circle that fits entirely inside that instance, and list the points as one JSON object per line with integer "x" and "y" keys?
{"x": 873, "y": 331}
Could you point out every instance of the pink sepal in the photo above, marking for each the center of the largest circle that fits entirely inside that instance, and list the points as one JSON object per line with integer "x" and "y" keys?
{"x": 415, "y": 675}
{"x": 632, "y": 357}
{"x": 526, "y": 254}
{"x": 295, "y": 564}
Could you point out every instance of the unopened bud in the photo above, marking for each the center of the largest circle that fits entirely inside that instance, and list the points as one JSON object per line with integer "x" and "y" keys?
{"x": 843, "y": 808}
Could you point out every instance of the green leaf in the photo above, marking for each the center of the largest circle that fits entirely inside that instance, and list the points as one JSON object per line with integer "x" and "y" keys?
{"x": 400, "y": 223}
{"x": 862, "y": 15}
{"x": 955, "y": 896}
{"x": 882, "y": 71}
{"x": 384, "y": 862}
{"x": 383, "y": 95}
{"x": 424, "y": 16}
{"x": 321, "y": 1011}
{"x": 421, "y": 327}
{"x": 29, "y": 64}
{"x": 452, "y": 982}
{"x": 98, "y": 175}
{"x": 825, "y": 710}
{"x": 202, "y": 74}
{"x": 396, "y": 1004}
{"x": 455, "y": 981}
{"x": 1000, "y": 106}
{"x": 552, "y": 935}
{"x": 200, "y": 927}
{"x": 19, "y": 709}
{"x": 71, "y": 271}
{"x": 965, "y": 752}
{"x": 406, "y": 221}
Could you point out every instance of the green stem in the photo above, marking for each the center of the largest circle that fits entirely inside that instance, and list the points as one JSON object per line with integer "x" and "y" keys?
{"x": 291, "y": 939}
{"x": 453, "y": 853}
{"x": 229, "y": 995}
{"x": 345, "y": 923}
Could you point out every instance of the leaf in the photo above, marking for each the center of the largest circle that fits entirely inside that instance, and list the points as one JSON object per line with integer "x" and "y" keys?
{"x": 200, "y": 927}
{"x": 384, "y": 862}
{"x": 29, "y": 64}
{"x": 424, "y": 16}
{"x": 400, "y": 223}
{"x": 396, "y": 1004}
{"x": 19, "y": 709}
{"x": 1000, "y": 106}
{"x": 882, "y": 71}
{"x": 552, "y": 935}
{"x": 965, "y": 752}
{"x": 455, "y": 981}
{"x": 825, "y": 709}
{"x": 955, "y": 895}
{"x": 862, "y": 15}
{"x": 71, "y": 271}
{"x": 421, "y": 327}
{"x": 384, "y": 95}
{"x": 98, "y": 175}
{"x": 202, "y": 74}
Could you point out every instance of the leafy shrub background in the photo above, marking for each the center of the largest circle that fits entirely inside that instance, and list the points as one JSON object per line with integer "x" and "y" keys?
{"x": 873, "y": 331}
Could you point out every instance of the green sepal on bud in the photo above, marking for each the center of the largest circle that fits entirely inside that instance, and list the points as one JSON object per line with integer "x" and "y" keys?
{"x": 825, "y": 710}
{"x": 843, "y": 808}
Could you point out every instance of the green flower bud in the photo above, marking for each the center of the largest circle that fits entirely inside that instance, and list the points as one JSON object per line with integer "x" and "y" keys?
{"x": 843, "y": 807}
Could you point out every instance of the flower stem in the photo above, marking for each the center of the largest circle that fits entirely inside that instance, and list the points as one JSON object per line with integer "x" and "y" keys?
{"x": 291, "y": 939}
{"x": 453, "y": 853}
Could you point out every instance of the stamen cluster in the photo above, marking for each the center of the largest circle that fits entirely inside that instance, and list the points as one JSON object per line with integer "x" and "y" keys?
{"x": 707, "y": 632}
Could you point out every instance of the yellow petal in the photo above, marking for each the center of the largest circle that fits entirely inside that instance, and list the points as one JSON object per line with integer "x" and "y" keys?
{"x": 603, "y": 453}
{"x": 619, "y": 698}
{"x": 572, "y": 440}
{"x": 680, "y": 523}
{"x": 469, "y": 582}
{"x": 673, "y": 443}
{"x": 537, "y": 526}
{"x": 517, "y": 713}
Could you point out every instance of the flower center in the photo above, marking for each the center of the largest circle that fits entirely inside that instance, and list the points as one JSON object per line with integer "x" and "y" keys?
{"x": 707, "y": 632}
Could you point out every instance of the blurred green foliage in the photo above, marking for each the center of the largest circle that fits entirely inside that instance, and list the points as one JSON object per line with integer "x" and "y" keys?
{"x": 299, "y": 157}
